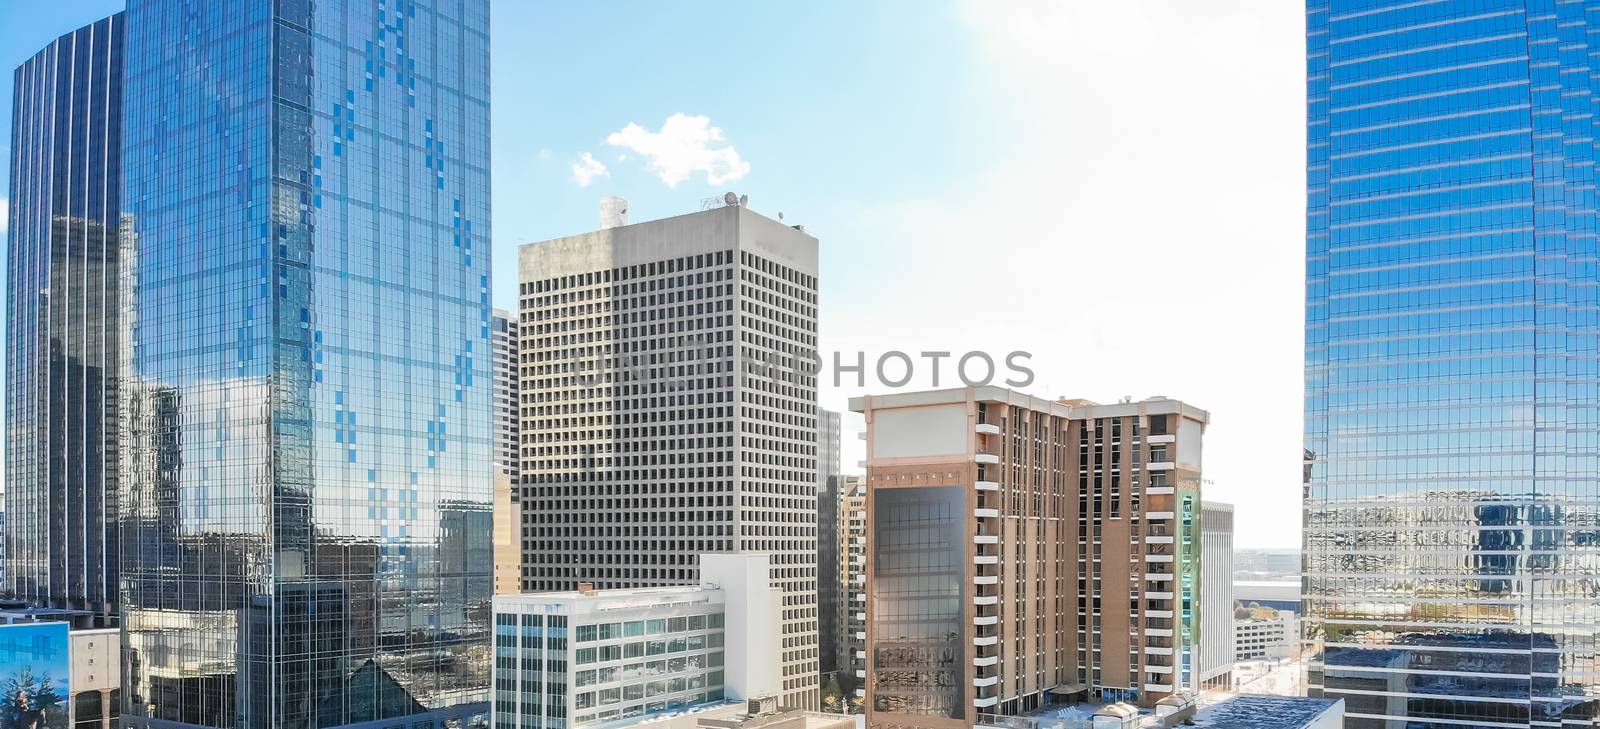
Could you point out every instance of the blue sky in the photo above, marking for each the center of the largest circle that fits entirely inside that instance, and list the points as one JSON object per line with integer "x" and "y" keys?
{"x": 1117, "y": 188}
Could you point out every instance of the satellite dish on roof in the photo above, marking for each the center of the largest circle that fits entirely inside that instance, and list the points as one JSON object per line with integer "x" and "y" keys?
{"x": 731, "y": 199}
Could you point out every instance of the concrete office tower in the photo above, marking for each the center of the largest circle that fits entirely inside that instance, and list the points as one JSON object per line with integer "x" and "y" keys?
{"x": 830, "y": 609}
{"x": 312, "y": 366}
{"x": 1023, "y": 551}
{"x": 62, "y": 301}
{"x": 507, "y": 457}
{"x": 1451, "y": 417}
{"x": 852, "y": 638}
{"x": 654, "y": 431}
{"x": 507, "y": 417}
{"x": 1214, "y": 659}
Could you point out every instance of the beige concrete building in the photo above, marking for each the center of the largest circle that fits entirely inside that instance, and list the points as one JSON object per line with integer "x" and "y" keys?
{"x": 1024, "y": 551}
{"x": 646, "y": 438}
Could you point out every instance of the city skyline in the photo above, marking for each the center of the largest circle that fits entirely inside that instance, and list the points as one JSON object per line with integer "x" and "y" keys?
{"x": 889, "y": 101}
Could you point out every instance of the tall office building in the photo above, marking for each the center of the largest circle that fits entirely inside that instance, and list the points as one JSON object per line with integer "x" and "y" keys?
{"x": 306, "y": 492}
{"x": 669, "y": 413}
{"x": 507, "y": 459}
{"x": 1214, "y": 657}
{"x": 829, "y": 606}
{"x": 852, "y": 637}
{"x": 61, "y": 324}
{"x": 1023, "y": 552}
{"x": 506, "y": 416}
{"x": 1451, "y": 414}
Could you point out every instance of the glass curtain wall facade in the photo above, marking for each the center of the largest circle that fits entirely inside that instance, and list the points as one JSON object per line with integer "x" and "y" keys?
{"x": 918, "y": 550}
{"x": 61, "y": 324}
{"x": 1451, "y": 560}
{"x": 307, "y": 452}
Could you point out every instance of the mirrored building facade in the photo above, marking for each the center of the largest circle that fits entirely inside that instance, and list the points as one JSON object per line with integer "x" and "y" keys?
{"x": 307, "y": 456}
{"x": 1452, "y": 402}
{"x": 61, "y": 324}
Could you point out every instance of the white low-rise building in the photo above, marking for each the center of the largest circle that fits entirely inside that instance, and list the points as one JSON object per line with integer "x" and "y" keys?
{"x": 1264, "y": 639}
{"x": 613, "y": 658}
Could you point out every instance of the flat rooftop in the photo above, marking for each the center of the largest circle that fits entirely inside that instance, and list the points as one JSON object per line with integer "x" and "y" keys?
{"x": 1250, "y": 711}
{"x": 539, "y": 598}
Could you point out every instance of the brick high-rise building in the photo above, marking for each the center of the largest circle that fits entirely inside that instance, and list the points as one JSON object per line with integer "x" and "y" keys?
{"x": 653, "y": 430}
{"x": 1022, "y": 551}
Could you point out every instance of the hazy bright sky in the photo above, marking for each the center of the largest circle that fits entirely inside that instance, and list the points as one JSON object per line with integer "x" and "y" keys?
{"x": 1116, "y": 187}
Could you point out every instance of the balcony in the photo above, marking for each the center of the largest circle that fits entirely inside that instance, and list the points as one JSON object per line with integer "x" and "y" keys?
{"x": 989, "y": 458}
{"x": 1158, "y": 632}
{"x": 995, "y": 579}
{"x": 1159, "y": 439}
{"x": 1158, "y": 558}
{"x": 1159, "y": 491}
{"x": 861, "y": 616}
{"x": 985, "y": 620}
{"x": 985, "y": 660}
{"x": 986, "y": 559}
{"x": 1164, "y": 614}
{"x": 986, "y": 539}
{"x": 1160, "y": 466}
{"x": 1160, "y": 515}
{"x": 1158, "y": 576}
{"x": 988, "y": 429}
{"x": 987, "y": 640}
{"x": 861, "y": 635}
{"x": 1152, "y": 650}
{"x": 1158, "y": 669}
{"x": 1158, "y": 596}
{"x": 1157, "y": 540}
{"x": 987, "y": 485}
{"x": 982, "y": 681}
{"x": 986, "y": 513}
{"x": 986, "y": 600}
{"x": 1160, "y": 688}
{"x": 984, "y": 702}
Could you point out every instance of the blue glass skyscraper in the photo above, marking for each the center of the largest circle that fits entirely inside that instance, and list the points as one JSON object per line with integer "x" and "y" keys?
{"x": 1452, "y": 513}
{"x": 62, "y": 324}
{"x": 307, "y": 455}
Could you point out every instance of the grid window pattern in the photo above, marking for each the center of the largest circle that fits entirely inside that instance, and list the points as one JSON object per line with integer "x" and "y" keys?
{"x": 653, "y": 428}
{"x": 306, "y": 493}
{"x": 62, "y": 319}
{"x": 1451, "y": 400}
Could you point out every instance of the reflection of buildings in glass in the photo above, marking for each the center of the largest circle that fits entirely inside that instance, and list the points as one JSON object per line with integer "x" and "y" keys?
{"x": 310, "y": 359}
{"x": 1449, "y": 334}
{"x": 62, "y": 323}
{"x": 990, "y": 599}
{"x": 918, "y": 590}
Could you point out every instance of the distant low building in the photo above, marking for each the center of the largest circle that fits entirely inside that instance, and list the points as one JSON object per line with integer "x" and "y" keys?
{"x": 1264, "y": 638}
{"x": 1275, "y": 594}
{"x": 1272, "y": 712}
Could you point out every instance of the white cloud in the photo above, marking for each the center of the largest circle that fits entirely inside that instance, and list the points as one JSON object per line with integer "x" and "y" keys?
{"x": 1138, "y": 225}
{"x": 587, "y": 168}
{"x": 683, "y": 147}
